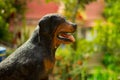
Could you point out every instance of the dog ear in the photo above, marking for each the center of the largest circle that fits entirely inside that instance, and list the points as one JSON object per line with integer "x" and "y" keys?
{"x": 44, "y": 24}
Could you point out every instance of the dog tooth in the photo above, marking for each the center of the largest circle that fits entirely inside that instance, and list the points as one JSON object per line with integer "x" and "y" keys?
{"x": 61, "y": 36}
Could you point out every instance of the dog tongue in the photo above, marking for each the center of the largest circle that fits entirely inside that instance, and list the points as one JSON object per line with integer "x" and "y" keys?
{"x": 71, "y": 38}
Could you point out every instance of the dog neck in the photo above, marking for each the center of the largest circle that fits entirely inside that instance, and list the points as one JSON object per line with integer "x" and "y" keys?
{"x": 47, "y": 41}
{"x": 44, "y": 40}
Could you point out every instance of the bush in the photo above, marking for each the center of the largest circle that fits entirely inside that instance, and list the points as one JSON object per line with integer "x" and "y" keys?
{"x": 9, "y": 11}
{"x": 72, "y": 64}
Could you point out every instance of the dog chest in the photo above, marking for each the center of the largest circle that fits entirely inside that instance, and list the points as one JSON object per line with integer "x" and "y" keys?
{"x": 48, "y": 65}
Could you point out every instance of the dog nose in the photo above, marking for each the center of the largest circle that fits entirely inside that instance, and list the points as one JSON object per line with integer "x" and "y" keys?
{"x": 75, "y": 25}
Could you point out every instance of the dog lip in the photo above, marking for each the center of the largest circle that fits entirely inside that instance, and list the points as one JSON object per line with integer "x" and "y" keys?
{"x": 66, "y": 36}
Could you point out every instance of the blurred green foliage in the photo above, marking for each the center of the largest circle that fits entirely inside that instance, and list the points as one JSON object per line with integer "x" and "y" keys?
{"x": 3, "y": 21}
{"x": 103, "y": 74}
{"x": 4, "y": 30}
{"x": 10, "y": 10}
{"x": 73, "y": 64}
{"x": 108, "y": 35}
{"x": 108, "y": 42}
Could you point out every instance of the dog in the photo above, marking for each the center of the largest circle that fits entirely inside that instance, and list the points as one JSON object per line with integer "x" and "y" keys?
{"x": 35, "y": 59}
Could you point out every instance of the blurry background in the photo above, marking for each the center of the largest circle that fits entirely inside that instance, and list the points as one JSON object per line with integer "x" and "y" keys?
{"x": 96, "y": 53}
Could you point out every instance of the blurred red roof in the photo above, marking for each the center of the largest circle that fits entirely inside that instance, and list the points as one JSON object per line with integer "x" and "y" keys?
{"x": 93, "y": 12}
{"x": 38, "y": 8}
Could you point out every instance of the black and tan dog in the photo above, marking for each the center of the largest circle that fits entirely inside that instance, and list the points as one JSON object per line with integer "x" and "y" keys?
{"x": 35, "y": 59}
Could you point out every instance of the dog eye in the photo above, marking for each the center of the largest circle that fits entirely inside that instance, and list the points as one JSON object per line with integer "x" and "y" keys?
{"x": 65, "y": 18}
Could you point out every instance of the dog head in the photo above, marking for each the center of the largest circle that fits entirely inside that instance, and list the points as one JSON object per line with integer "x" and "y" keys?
{"x": 57, "y": 28}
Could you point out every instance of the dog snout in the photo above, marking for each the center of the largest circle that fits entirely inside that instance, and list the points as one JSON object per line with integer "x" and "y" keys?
{"x": 74, "y": 25}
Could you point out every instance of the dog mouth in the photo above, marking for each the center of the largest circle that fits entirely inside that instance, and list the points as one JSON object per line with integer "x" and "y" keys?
{"x": 66, "y": 36}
